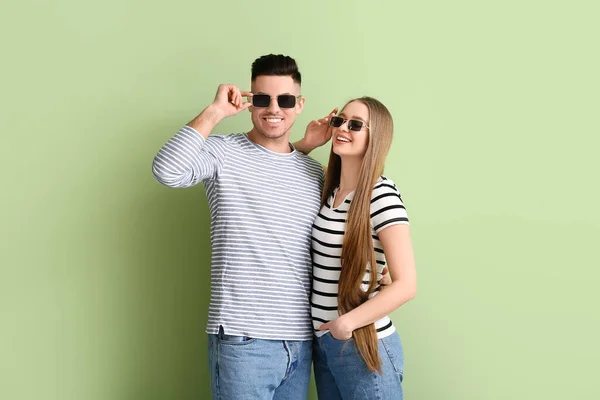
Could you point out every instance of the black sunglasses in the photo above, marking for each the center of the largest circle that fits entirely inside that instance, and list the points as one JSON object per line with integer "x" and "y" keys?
{"x": 283, "y": 100}
{"x": 353, "y": 124}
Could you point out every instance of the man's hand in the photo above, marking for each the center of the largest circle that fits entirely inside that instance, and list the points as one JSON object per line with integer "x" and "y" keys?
{"x": 386, "y": 279}
{"x": 229, "y": 100}
{"x": 318, "y": 132}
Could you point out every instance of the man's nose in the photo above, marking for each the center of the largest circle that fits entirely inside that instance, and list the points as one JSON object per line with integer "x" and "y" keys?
{"x": 273, "y": 106}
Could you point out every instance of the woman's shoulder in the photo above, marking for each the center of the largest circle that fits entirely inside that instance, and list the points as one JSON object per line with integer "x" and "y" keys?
{"x": 384, "y": 186}
{"x": 387, "y": 207}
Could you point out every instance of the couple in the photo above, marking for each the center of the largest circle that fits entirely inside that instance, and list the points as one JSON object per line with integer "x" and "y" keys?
{"x": 297, "y": 254}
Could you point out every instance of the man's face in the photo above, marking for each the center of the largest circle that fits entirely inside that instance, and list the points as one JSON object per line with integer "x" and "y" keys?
{"x": 273, "y": 121}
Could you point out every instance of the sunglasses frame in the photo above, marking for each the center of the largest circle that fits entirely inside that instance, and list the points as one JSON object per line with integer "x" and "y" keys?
{"x": 296, "y": 99}
{"x": 349, "y": 120}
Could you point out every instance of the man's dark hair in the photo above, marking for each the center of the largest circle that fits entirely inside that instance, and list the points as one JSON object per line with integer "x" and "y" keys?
{"x": 276, "y": 64}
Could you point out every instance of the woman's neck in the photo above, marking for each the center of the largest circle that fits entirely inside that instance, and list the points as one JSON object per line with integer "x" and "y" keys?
{"x": 349, "y": 174}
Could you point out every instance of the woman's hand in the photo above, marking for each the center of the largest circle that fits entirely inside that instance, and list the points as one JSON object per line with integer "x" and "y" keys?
{"x": 340, "y": 328}
{"x": 318, "y": 132}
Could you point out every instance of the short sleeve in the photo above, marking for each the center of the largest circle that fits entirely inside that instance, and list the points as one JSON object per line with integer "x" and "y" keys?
{"x": 387, "y": 207}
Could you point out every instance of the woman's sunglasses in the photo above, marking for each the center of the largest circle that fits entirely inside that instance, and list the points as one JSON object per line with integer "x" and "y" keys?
{"x": 283, "y": 100}
{"x": 353, "y": 124}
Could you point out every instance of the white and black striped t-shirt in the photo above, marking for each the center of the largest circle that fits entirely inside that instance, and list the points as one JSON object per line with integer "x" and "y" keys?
{"x": 387, "y": 209}
{"x": 262, "y": 207}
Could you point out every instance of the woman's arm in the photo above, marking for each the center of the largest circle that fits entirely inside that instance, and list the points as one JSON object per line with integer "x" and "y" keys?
{"x": 398, "y": 251}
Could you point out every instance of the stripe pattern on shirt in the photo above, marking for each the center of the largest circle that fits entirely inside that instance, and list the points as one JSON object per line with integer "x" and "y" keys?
{"x": 262, "y": 206}
{"x": 387, "y": 209}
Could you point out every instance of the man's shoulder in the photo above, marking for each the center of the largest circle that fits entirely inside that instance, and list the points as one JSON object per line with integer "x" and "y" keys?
{"x": 308, "y": 160}
{"x": 227, "y": 140}
{"x": 228, "y": 137}
{"x": 312, "y": 166}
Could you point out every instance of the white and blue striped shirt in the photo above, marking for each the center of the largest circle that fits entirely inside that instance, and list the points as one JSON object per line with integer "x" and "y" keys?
{"x": 262, "y": 207}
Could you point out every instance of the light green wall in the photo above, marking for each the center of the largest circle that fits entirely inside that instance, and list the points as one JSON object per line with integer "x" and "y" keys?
{"x": 104, "y": 274}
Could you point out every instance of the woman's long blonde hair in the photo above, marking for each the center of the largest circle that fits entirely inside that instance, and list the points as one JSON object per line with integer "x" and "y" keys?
{"x": 357, "y": 249}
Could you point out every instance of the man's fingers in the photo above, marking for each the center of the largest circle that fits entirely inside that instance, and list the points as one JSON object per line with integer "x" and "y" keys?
{"x": 238, "y": 97}
{"x": 231, "y": 93}
{"x": 386, "y": 279}
{"x": 245, "y": 105}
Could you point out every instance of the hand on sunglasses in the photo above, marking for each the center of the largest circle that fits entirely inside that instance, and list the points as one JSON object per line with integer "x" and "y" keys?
{"x": 318, "y": 131}
{"x": 229, "y": 100}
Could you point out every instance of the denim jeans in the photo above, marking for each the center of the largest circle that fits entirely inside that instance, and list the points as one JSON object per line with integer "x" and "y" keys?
{"x": 255, "y": 369}
{"x": 341, "y": 372}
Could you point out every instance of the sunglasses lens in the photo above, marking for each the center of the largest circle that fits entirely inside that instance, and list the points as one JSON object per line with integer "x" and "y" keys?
{"x": 336, "y": 122}
{"x": 355, "y": 125}
{"x": 286, "y": 101}
{"x": 261, "y": 100}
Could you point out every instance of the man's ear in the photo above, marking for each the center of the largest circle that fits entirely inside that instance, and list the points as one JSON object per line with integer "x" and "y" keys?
{"x": 300, "y": 105}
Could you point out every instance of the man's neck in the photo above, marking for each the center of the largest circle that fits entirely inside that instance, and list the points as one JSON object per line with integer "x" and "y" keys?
{"x": 277, "y": 145}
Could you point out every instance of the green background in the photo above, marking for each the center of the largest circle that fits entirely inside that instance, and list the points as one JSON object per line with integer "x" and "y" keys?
{"x": 104, "y": 278}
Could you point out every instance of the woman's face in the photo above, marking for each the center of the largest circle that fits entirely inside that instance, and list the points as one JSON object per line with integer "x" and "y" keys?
{"x": 350, "y": 142}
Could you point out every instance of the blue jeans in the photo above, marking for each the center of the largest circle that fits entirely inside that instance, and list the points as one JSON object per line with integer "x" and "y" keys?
{"x": 246, "y": 368}
{"x": 341, "y": 372}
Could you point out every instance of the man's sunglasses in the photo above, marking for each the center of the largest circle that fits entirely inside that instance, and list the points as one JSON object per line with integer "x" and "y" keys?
{"x": 353, "y": 124}
{"x": 283, "y": 100}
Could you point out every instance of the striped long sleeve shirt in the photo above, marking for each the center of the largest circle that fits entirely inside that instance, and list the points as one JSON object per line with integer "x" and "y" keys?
{"x": 262, "y": 206}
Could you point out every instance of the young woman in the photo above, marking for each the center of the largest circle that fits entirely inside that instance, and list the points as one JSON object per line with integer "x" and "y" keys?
{"x": 362, "y": 227}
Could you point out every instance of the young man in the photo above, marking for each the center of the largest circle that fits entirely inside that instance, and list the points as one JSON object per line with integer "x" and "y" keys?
{"x": 263, "y": 197}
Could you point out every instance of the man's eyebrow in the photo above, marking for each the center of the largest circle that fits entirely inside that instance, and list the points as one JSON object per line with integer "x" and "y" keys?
{"x": 291, "y": 94}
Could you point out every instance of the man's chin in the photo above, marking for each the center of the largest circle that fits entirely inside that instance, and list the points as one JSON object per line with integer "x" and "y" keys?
{"x": 272, "y": 133}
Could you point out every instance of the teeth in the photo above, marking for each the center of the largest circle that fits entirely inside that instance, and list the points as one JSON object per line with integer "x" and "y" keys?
{"x": 342, "y": 139}
{"x": 273, "y": 120}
